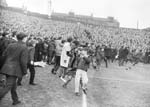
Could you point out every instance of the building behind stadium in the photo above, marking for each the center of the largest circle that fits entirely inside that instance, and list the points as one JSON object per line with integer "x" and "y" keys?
{"x": 72, "y": 17}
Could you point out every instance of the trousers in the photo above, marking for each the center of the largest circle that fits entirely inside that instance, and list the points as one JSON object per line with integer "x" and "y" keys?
{"x": 80, "y": 75}
{"x": 32, "y": 74}
{"x": 11, "y": 85}
{"x": 57, "y": 63}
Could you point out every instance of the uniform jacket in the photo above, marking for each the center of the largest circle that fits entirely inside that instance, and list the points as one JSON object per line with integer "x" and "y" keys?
{"x": 16, "y": 58}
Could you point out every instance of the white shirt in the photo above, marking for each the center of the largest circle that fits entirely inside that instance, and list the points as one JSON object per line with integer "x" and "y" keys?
{"x": 64, "y": 57}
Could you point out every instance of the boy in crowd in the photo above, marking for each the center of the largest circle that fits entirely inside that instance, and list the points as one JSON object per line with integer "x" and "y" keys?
{"x": 81, "y": 73}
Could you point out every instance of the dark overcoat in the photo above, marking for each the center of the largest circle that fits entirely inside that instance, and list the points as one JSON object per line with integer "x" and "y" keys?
{"x": 16, "y": 58}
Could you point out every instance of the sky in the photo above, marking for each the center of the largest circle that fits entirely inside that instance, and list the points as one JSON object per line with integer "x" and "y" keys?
{"x": 127, "y": 12}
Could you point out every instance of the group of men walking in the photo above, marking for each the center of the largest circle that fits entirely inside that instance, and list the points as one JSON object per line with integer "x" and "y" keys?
{"x": 20, "y": 53}
{"x": 15, "y": 59}
{"x": 14, "y": 67}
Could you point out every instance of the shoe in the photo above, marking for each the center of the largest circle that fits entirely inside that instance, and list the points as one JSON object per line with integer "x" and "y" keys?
{"x": 84, "y": 91}
{"x": 77, "y": 94}
{"x": 64, "y": 86}
{"x": 63, "y": 79}
{"x": 52, "y": 71}
{"x": 16, "y": 102}
{"x": 32, "y": 84}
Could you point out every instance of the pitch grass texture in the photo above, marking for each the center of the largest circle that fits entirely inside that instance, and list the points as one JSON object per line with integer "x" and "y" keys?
{"x": 101, "y": 92}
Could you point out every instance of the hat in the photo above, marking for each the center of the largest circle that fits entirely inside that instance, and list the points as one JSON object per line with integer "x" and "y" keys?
{"x": 69, "y": 39}
{"x": 76, "y": 42}
{"x": 21, "y": 36}
{"x": 14, "y": 33}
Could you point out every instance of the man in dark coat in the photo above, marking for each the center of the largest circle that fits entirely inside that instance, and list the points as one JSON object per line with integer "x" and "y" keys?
{"x": 38, "y": 50}
{"x": 123, "y": 52}
{"x": 51, "y": 51}
{"x": 15, "y": 66}
{"x": 121, "y": 56}
{"x": 30, "y": 65}
{"x": 4, "y": 42}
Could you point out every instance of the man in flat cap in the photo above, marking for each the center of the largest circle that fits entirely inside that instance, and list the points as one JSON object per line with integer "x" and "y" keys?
{"x": 15, "y": 66}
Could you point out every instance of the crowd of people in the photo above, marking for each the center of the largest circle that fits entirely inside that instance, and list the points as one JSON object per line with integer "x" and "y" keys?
{"x": 116, "y": 37}
{"x": 70, "y": 47}
{"x": 20, "y": 52}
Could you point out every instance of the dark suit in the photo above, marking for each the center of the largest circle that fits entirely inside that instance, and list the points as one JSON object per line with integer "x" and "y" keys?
{"x": 4, "y": 42}
{"x": 15, "y": 66}
{"x": 51, "y": 51}
{"x": 123, "y": 52}
{"x": 38, "y": 51}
